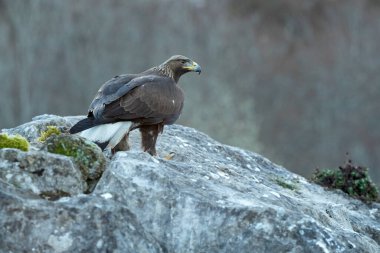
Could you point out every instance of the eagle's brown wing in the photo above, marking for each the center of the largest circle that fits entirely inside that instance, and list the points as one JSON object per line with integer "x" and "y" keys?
{"x": 157, "y": 100}
{"x": 109, "y": 90}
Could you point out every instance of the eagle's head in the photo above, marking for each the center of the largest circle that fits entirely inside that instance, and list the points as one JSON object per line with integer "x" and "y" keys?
{"x": 177, "y": 65}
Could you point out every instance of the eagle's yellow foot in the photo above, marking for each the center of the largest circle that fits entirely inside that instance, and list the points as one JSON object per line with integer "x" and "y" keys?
{"x": 169, "y": 156}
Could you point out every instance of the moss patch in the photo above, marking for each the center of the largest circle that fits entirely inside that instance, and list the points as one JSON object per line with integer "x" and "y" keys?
{"x": 285, "y": 185}
{"x": 353, "y": 180}
{"x": 51, "y": 130}
{"x": 87, "y": 155}
{"x": 15, "y": 141}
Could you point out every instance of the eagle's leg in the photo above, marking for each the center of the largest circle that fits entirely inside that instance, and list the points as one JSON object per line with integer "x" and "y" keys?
{"x": 149, "y": 136}
{"x": 123, "y": 145}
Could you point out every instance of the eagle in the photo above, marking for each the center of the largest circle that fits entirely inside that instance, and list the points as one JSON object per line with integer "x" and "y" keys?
{"x": 146, "y": 101}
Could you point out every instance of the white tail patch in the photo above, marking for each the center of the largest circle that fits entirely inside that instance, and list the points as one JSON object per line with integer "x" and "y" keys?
{"x": 112, "y": 132}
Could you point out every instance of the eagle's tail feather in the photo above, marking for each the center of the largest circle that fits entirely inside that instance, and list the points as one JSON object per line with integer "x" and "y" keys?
{"x": 102, "y": 145}
{"x": 106, "y": 135}
{"x": 82, "y": 125}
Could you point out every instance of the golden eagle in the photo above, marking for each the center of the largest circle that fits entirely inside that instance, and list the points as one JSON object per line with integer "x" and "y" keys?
{"x": 147, "y": 101}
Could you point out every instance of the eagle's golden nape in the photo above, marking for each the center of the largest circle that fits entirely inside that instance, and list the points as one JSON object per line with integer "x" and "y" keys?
{"x": 145, "y": 101}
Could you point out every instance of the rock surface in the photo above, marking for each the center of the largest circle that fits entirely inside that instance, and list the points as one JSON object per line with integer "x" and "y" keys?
{"x": 40, "y": 172}
{"x": 209, "y": 198}
{"x": 32, "y": 130}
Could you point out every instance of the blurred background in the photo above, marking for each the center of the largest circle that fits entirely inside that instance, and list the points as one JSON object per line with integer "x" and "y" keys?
{"x": 296, "y": 81}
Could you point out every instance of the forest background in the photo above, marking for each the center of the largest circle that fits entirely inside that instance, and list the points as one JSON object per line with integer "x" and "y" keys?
{"x": 297, "y": 81}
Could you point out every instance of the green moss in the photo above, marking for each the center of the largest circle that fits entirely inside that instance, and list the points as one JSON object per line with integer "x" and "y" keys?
{"x": 85, "y": 154}
{"x": 15, "y": 141}
{"x": 285, "y": 185}
{"x": 51, "y": 130}
{"x": 354, "y": 180}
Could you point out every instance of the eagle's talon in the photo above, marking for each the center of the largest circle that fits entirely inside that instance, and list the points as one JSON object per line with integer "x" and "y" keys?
{"x": 169, "y": 156}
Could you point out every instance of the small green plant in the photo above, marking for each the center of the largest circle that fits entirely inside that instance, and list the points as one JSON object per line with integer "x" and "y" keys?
{"x": 51, "y": 130}
{"x": 14, "y": 141}
{"x": 353, "y": 180}
{"x": 285, "y": 185}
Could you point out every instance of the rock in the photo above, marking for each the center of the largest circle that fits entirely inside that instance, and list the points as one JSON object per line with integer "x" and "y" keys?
{"x": 209, "y": 198}
{"x": 32, "y": 130}
{"x": 41, "y": 173}
{"x": 82, "y": 224}
{"x": 75, "y": 169}
{"x": 216, "y": 198}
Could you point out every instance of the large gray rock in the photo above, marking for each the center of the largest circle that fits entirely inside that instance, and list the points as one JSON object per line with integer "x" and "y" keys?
{"x": 216, "y": 198}
{"x": 41, "y": 173}
{"x": 82, "y": 224}
{"x": 209, "y": 198}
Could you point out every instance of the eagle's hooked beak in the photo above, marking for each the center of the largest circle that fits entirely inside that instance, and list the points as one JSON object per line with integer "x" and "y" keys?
{"x": 193, "y": 66}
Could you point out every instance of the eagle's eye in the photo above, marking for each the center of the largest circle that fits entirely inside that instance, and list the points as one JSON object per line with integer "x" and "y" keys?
{"x": 183, "y": 61}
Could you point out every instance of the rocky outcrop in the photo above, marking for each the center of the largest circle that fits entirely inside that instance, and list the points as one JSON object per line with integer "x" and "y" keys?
{"x": 61, "y": 165}
{"x": 208, "y": 198}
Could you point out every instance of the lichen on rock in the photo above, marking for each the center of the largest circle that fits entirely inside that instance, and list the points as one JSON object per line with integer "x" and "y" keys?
{"x": 15, "y": 141}
{"x": 287, "y": 185}
{"x": 87, "y": 155}
{"x": 50, "y": 130}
